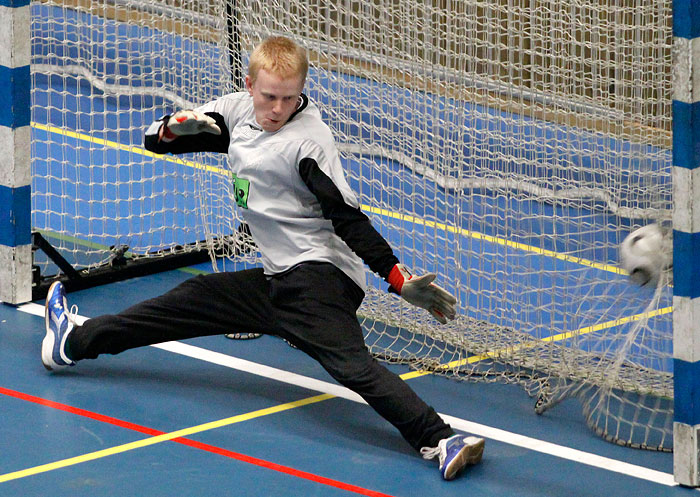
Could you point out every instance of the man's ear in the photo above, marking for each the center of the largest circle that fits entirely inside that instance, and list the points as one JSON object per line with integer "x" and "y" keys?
{"x": 249, "y": 84}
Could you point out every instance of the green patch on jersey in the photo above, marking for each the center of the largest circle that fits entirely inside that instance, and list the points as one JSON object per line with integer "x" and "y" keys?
{"x": 241, "y": 188}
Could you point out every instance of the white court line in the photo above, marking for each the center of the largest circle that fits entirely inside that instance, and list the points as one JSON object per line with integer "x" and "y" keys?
{"x": 481, "y": 430}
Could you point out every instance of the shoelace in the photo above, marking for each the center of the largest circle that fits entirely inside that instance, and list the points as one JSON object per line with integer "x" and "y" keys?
{"x": 72, "y": 312}
{"x": 432, "y": 452}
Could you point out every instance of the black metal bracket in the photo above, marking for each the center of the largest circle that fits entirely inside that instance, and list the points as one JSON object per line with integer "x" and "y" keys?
{"x": 122, "y": 266}
{"x": 40, "y": 243}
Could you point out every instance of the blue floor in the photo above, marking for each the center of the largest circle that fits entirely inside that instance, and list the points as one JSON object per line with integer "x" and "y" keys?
{"x": 331, "y": 447}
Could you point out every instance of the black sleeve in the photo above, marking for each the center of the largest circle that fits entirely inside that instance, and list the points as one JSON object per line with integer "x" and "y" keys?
{"x": 202, "y": 142}
{"x": 350, "y": 224}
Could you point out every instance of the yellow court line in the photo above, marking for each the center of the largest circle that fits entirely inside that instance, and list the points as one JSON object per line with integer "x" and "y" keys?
{"x": 161, "y": 438}
{"x": 367, "y": 208}
{"x": 319, "y": 398}
{"x": 553, "y": 338}
{"x": 302, "y": 402}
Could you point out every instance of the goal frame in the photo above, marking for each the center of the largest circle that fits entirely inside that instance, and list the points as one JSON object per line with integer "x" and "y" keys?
{"x": 686, "y": 241}
{"x": 19, "y": 284}
{"x": 15, "y": 173}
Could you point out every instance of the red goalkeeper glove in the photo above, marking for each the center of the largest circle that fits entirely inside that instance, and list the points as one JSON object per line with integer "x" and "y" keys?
{"x": 188, "y": 122}
{"x": 421, "y": 292}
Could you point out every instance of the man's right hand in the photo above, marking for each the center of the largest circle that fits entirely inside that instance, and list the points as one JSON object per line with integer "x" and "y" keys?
{"x": 188, "y": 122}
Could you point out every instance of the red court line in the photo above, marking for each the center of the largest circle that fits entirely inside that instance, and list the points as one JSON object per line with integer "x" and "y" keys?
{"x": 192, "y": 443}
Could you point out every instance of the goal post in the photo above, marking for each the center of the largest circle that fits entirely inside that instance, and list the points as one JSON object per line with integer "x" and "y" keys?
{"x": 509, "y": 146}
{"x": 686, "y": 241}
{"x": 104, "y": 208}
{"x": 15, "y": 209}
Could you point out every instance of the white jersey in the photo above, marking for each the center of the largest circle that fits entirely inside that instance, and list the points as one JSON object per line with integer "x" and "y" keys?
{"x": 290, "y": 187}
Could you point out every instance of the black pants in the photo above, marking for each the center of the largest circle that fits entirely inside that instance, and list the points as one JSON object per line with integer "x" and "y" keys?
{"x": 312, "y": 306}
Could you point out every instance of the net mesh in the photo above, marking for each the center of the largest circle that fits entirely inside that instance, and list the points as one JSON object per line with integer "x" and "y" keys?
{"x": 508, "y": 146}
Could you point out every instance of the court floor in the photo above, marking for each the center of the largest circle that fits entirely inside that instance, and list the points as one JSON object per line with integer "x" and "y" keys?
{"x": 214, "y": 416}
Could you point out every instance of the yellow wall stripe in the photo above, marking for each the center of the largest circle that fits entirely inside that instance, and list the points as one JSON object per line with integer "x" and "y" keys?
{"x": 373, "y": 210}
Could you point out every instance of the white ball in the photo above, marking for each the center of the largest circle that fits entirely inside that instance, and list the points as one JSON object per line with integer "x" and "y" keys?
{"x": 646, "y": 254}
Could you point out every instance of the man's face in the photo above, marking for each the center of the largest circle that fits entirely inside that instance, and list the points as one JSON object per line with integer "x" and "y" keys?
{"x": 274, "y": 98}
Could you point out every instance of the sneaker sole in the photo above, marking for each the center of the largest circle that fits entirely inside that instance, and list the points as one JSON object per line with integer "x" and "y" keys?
{"x": 469, "y": 455}
{"x": 48, "y": 342}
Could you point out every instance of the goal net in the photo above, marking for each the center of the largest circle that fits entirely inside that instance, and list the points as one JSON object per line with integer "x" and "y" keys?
{"x": 508, "y": 146}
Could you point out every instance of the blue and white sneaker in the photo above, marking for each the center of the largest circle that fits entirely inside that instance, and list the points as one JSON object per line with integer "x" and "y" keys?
{"x": 455, "y": 453}
{"x": 59, "y": 324}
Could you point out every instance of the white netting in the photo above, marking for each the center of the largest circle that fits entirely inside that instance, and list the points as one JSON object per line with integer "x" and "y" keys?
{"x": 508, "y": 146}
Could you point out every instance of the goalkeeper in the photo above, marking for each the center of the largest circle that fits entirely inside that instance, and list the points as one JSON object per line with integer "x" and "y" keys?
{"x": 313, "y": 239}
